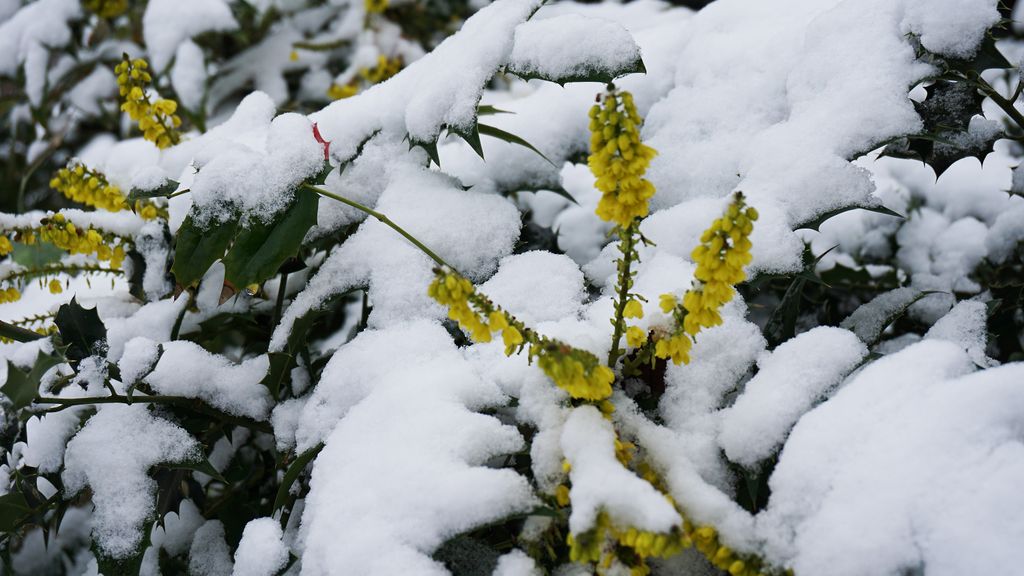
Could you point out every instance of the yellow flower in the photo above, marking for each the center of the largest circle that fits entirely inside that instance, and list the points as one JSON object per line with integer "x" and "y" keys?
{"x": 55, "y": 287}
{"x": 64, "y": 235}
{"x": 9, "y": 294}
{"x": 157, "y": 120}
{"x": 88, "y": 187}
{"x": 720, "y": 257}
{"x": 337, "y": 91}
{"x": 376, "y": 6}
{"x": 106, "y": 8}
{"x": 619, "y": 159}
{"x": 633, "y": 309}
{"x": 5, "y": 246}
{"x": 635, "y": 337}
{"x": 294, "y": 56}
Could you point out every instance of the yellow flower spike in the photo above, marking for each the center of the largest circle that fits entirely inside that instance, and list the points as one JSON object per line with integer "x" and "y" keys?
{"x": 606, "y": 407}
{"x": 668, "y": 303}
{"x": 10, "y": 294}
{"x": 55, "y": 287}
{"x": 376, "y": 6}
{"x": 157, "y": 120}
{"x": 106, "y": 8}
{"x": 619, "y": 160}
{"x": 88, "y": 187}
{"x": 737, "y": 568}
{"x": 633, "y": 309}
{"x": 635, "y": 337}
{"x": 5, "y": 246}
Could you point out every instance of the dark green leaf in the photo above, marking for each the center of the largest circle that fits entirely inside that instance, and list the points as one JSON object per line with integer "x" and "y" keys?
{"x": 260, "y": 249}
{"x": 196, "y": 249}
{"x": 816, "y": 222}
{"x": 488, "y": 110}
{"x": 280, "y": 365}
{"x": 430, "y": 148}
{"x": 472, "y": 137}
{"x": 36, "y": 255}
{"x": 13, "y": 510}
{"x": 202, "y": 465}
{"x": 162, "y": 191}
{"x": 510, "y": 138}
{"x": 781, "y": 325}
{"x": 582, "y": 73}
{"x": 292, "y": 474}
{"x": 80, "y": 330}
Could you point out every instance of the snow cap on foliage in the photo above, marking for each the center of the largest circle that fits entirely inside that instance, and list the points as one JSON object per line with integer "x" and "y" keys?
{"x": 966, "y": 325}
{"x": 112, "y": 454}
{"x": 260, "y": 552}
{"x": 27, "y": 37}
{"x": 571, "y": 46}
{"x": 168, "y": 23}
{"x": 209, "y": 554}
{"x": 186, "y": 369}
{"x": 601, "y": 482}
{"x": 403, "y": 470}
{"x": 789, "y": 381}
{"x": 914, "y": 463}
{"x": 537, "y": 286}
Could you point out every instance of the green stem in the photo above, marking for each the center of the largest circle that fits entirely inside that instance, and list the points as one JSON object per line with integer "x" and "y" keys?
{"x": 1006, "y": 105}
{"x": 62, "y": 403}
{"x": 382, "y": 218}
{"x": 17, "y": 333}
{"x": 627, "y": 246}
{"x": 279, "y": 303}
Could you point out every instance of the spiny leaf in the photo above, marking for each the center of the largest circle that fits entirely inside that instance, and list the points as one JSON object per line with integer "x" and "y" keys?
{"x": 80, "y": 330}
{"x": 196, "y": 249}
{"x": 583, "y": 73}
{"x": 260, "y": 249}
{"x": 489, "y": 110}
{"x": 162, "y": 191}
{"x": 292, "y": 474}
{"x": 818, "y": 221}
{"x": 510, "y": 138}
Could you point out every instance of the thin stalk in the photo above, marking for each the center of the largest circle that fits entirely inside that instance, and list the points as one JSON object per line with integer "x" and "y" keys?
{"x": 17, "y": 333}
{"x": 62, "y": 403}
{"x": 279, "y": 303}
{"x": 627, "y": 245}
{"x": 1006, "y": 105}
{"x": 382, "y": 218}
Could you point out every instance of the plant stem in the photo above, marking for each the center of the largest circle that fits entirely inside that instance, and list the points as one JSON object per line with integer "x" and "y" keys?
{"x": 1006, "y": 105}
{"x": 156, "y": 399}
{"x": 17, "y": 333}
{"x": 279, "y": 301}
{"x": 627, "y": 244}
{"x": 382, "y": 218}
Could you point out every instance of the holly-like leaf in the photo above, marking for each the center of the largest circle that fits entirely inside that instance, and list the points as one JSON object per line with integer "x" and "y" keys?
{"x": 584, "y": 72}
{"x": 290, "y": 475}
{"x": 13, "y": 510}
{"x": 500, "y": 134}
{"x": 196, "y": 248}
{"x": 81, "y": 330}
{"x": 162, "y": 191}
{"x": 260, "y": 249}
{"x": 818, "y": 221}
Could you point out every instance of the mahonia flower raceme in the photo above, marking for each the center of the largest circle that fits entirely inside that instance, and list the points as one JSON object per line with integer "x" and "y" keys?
{"x": 157, "y": 120}
{"x": 385, "y": 68}
{"x": 577, "y": 372}
{"x": 720, "y": 257}
{"x": 376, "y": 6}
{"x": 5, "y": 246}
{"x": 9, "y": 294}
{"x": 619, "y": 159}
{"x": 88, "y": 187}
{"x": 106, "y": 8}
{"x": 68, "y": 237}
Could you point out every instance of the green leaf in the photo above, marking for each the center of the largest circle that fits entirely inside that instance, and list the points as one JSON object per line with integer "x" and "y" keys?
{"x": 280, "y": 365}
{"x": 472, "y": 137}
{"x": 202, "y": 465}
{"x": 196, "y": 249}
{"x": 164, "y": 190}
{"x": 781, "y": 325}
{"x": 292, "y": 474}
{"x": 37, "y": 255}
{"x": 260, "y": 249}
{"x": 80, "y": 330}
{"x": 18, "y": 387}
{"x": 583, "y": 73}
{"x": 816, "y": 222}
{"x": 431, "y": 149}
{"x": 510, "y": 138}
{"x": 13, "y": 510}
{"x": 488, "y": 110}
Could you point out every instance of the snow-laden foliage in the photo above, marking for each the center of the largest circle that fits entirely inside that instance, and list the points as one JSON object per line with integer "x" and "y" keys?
{"x": 339, "y": 287}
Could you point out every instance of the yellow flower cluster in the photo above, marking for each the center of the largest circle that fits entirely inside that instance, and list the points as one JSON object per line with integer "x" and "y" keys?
{"x": 88, "y": 187}
{"x": 577, "y": 372}
{"x": 619, "y": 159}
{"x": 376, "y": 6}
{"x": 5, "y": 246}
{"x": 157, "y": 120}
{"x": 720, "y": 257}
{"x": 457, "y": 293}
{"x": 9, "y": 294}
{"x": 106, "y": 8}
{"x": 66, "y": 236}
{"x": 55, "y": 286}
{"x": 385, "y": 68}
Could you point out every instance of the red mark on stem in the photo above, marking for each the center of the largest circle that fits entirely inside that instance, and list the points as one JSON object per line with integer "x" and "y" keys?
{"x": 320, "y": 139}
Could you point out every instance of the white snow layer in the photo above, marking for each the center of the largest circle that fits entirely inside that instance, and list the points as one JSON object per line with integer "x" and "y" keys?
{"x": 571, "y": 46}
{"x": 260, "y": 552}
{"x": 168, "y": 23}
{"x": 112, "y": 454}
{"x": 914, "y": 465}
{"x": 403, "y": 469}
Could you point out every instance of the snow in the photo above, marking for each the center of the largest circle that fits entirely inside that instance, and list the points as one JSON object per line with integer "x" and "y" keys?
{"x": 25, "y": 37}
{"x": 921, "y": 435}
{"x": 789, "y": 381}
{"x": 260, "y": 552}
{"x": 598, "y": 47}
{"x": 185, "y": 369}
{"x": 537, "y": 287}
{"x": 966, "y": 325}
{"x": 188, "y": 77}
{"x": 112, "y": 455}
{"x": 47, "y": 435}
{"x": 154, "y": 321}
{"x": 516, "y": 563}
{"x": 869, "y": 320}
{"x": 209, "y": 554}
{"x": 168, "y": 23}
{"x": 403, "y": 471}
{"x": 601, "y": 482}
